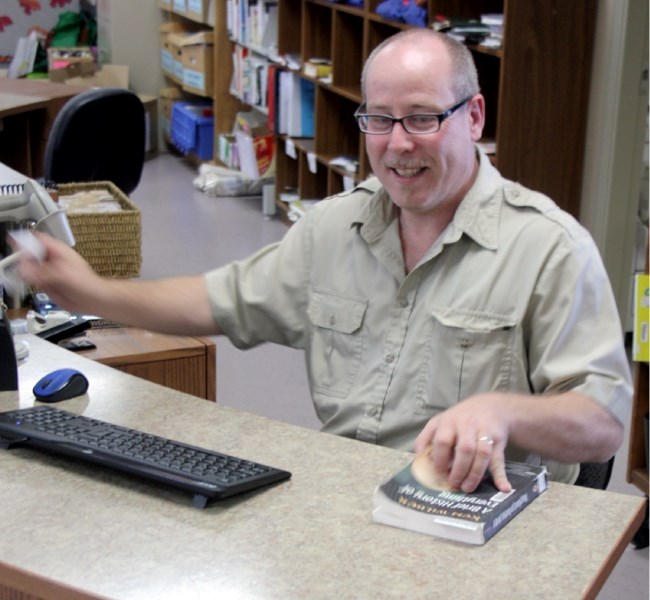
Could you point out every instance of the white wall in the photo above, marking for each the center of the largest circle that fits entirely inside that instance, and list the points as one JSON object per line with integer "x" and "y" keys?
{"x": 21, "y": 19}
{"x": 128, "y": 34}
{"x": 616, "y": 133}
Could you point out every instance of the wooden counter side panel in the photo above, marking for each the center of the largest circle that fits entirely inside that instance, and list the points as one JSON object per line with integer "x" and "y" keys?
{"x": 187, "y": 375}
{"x": 18, "y": 584}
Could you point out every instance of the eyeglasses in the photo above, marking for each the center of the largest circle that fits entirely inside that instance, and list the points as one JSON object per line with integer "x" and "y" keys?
{"x": 417, "y": 123}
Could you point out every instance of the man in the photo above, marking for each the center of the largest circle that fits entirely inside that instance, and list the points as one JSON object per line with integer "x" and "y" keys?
{"x": 441, "y": 308}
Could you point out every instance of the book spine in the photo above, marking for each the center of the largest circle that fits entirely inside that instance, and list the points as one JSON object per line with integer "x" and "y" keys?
{"x": 522, "y": 499}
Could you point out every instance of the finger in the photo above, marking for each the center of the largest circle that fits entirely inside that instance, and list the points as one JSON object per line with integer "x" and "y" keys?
{"x": 483, "y": 453}
{"x": 30, "y": 246}
{"x": 443, "y": 451}
{"x": 426, "y": 435}
{"x": 498, "y": 471}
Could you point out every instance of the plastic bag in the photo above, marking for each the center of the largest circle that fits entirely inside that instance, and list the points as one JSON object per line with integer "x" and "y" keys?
{"x": 219, "y": 181}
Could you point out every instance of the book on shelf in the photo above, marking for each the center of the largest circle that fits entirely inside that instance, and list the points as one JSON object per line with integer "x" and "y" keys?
{"x": 256, "y": 154}
{"x": 471, "y": 31}
{"x": 305, "y": 101}
{"x": 415, "y": 499}
{"x": 253, "y": 22}
{"x": 495, "y": 23}
{"x": 640, "y": 343}
{"x": 318, "y": 68}
{"x": 281, "y": 110}
{"x": 347, "y": 163}
{"x": 295, "y": 105}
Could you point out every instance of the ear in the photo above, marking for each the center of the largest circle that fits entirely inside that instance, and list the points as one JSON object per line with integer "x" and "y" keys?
{"x": 476, "y": 113}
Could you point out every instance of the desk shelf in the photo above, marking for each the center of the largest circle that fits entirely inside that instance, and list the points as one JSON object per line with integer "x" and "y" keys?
{"x": 183, "y": 363}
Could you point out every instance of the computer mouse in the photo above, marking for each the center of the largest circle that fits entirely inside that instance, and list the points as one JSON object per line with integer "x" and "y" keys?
{"x": 61, "y": 384}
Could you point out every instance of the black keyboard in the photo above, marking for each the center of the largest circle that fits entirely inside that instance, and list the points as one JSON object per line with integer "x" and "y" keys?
{"x": 208, "y": 475}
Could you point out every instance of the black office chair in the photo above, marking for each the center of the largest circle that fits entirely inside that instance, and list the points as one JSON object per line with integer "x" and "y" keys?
{"x": 595, "y": 475}
{"x": 99, "y": 135}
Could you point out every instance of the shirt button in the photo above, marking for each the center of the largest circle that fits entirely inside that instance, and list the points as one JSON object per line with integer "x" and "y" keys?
{"x": 389, "y": 358}
{"x": 404, "y": 302}
{"x": 332, "y": 320}
{"x": 372, "y": 412}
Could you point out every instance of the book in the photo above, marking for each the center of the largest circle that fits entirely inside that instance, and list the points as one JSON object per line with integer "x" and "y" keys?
{"x": 318, "y": 68}
{"x": 307, "y": 105}
{"x": 283, "y": 95}
{"x": 413, "y": 499}
{"x": 640, "y": 344}
{"x": 296, "y": 110}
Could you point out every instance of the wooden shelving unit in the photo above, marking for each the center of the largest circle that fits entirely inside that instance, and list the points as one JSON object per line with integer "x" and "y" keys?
{"x": 176, "y": 11}
{"x": 637, "y": 466}
{"x": 536, "y": 88}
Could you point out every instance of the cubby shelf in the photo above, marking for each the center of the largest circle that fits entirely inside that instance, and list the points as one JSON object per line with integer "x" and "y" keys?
{"x": 536, "y": 86}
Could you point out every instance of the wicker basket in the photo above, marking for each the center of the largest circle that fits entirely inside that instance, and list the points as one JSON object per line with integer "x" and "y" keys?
{"x": 110, "y": 242}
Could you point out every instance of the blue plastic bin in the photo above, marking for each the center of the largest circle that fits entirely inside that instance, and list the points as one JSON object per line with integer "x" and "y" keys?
{"x": 192, "y": 130}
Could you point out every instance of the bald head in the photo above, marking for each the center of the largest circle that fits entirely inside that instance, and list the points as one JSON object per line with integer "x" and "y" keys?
{"x": 444, "y": 52}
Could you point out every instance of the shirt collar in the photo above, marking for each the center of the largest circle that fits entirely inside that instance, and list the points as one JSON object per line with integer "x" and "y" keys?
{"x": 375, "y": 215}
{"x": 477, "y": 215}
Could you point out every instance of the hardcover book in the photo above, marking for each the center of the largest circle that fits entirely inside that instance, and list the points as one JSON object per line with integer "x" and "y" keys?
{"x": 413, "y": 499}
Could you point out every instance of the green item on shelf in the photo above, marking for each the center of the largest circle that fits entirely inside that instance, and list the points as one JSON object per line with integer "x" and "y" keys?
{"x": 74, "y": 29}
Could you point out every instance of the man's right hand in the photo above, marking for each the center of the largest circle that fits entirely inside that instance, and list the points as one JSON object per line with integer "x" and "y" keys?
{"x": 61, "y": 273}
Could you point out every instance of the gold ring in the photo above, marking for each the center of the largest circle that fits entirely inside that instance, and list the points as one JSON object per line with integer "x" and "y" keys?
{"x": 486, "y": 439}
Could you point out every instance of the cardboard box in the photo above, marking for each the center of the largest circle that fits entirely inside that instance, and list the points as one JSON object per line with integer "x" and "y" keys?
{"x": 196, "y": 52}
{"x": 201, "y": 11}
{"x": 64, "y": 63}
{"x": 107, "y": 76}
{"x": 168, "y": 50}
{"x": 227, "y": 150}
{"x": 166, "y": 99}
{"x": 175, "y": 41}
{"x": 179, "y": 7}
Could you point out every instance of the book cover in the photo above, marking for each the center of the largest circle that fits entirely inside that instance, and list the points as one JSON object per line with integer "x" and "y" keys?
{"x": 318, "y": 68}
{"x": 307, "y": 100}
{"x": 640, "y": 345}
{"x": 413, "y": 499}
{"x": 300, "y": 109}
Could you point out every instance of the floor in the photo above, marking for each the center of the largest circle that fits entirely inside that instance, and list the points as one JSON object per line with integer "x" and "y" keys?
{"x": 185, "y": 231}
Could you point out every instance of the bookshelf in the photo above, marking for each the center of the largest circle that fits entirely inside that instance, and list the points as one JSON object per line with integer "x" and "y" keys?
{"x": 536, "y": 87}
{"x": 193, "y": 16}
{"x": 637, "y": 467}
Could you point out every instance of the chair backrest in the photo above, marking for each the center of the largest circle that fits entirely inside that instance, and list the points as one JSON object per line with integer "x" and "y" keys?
{"x": 99, "y": 135}
{"x": 595, "y": 475}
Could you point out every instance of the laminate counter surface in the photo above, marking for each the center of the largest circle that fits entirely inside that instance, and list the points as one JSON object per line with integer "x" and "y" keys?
{"x": 72, "y": 530}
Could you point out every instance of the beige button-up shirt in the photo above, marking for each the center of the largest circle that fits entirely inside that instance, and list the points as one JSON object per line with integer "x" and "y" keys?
{"x": 512, "y": 297}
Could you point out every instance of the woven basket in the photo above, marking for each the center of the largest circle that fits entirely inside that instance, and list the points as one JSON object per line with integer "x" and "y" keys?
{"x": 110, "y": 242}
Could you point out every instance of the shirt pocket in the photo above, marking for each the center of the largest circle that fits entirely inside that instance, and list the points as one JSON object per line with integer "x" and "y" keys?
{"x": 337, "y": 342}
{"x": 466, "y": 353}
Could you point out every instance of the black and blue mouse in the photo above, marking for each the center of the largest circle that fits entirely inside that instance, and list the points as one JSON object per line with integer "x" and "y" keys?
{"x": 61, "y": 384}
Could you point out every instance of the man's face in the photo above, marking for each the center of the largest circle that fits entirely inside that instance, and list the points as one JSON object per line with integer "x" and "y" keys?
{"x": 421, "y": 172}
